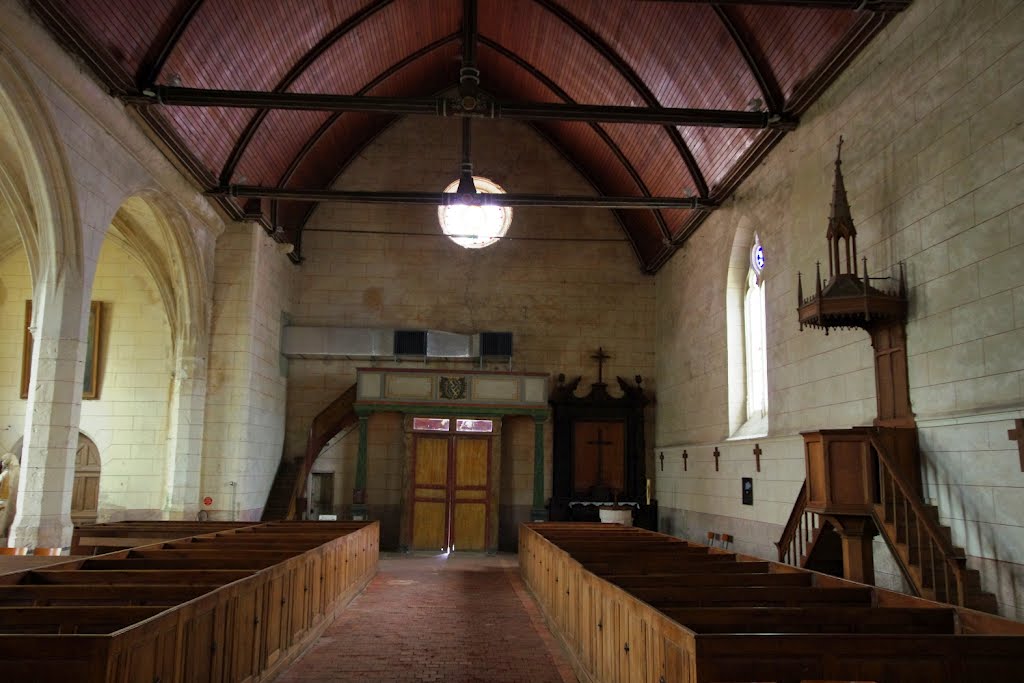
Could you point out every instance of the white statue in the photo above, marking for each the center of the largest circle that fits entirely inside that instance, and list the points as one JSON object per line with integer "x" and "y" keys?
{"x": 8, "y": 490}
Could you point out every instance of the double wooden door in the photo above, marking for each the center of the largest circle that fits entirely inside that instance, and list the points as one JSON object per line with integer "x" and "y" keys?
{"x": 450, "y": 492}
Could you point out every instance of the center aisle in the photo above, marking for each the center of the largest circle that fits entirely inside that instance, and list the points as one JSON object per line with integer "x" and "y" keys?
{"x": 455, "y": 618}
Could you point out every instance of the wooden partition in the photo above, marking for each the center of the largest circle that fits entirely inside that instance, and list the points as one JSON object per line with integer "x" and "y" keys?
{"x": 635, "y": 606}
{"x": 235, "y": 605}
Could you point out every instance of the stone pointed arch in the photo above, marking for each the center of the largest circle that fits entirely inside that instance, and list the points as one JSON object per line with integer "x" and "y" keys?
{"x": 36, "y": 182}
{"x": 156, "y": 230}
{"x": 35, "y": 179}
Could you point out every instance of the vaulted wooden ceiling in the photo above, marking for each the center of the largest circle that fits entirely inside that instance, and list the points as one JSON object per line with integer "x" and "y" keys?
{"x": 228, "y": 85}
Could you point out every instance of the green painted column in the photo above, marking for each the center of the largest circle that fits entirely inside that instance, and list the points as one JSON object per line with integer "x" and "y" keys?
{"x": 538, "y": 513}
{"x": 359, "y": 491}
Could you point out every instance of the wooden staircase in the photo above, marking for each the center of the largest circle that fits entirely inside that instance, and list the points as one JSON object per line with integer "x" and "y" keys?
{"x": 934, "y": 567}
{"x": 282, "y": 489}
{"x": 332, "y": 420}
{"x": 809, "y": 541}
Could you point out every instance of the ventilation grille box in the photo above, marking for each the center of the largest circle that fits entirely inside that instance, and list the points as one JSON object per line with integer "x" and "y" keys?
{"x": 410, "y": 343}
{"x": 496, "y": 344}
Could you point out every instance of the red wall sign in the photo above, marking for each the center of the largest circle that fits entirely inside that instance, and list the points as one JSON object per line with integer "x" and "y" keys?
{"x": 207, "y": 501}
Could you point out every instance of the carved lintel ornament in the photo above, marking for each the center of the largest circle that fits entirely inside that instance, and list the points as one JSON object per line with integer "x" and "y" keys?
{"x": 452, "y": 388}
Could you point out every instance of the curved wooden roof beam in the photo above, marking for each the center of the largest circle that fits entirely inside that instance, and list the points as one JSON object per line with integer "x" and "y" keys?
{"x": 635, "y": 82}
{"x": 293, "y": 74}
{"x": 377, "y": 80}
{"x": 754, "y": 57}
{"x": 616, "y": 150}
{"x": 151, "y": 67}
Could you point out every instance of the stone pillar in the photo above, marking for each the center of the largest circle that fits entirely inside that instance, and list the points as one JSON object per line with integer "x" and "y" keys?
{"x": 359, "y": 491}
{"x": 856, "y": 533}
{"x": 537, "y": 512}
{"x": 186, "y": 414}
{"x": 43, "y": 516}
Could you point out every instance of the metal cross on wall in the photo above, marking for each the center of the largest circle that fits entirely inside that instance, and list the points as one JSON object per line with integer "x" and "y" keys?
{"x": 600, "y": 357}
{"x": 716, "y": 455}
{"x": 685, "y": 456}
{"x": 1017, "y": 434}
{"x": 757, "y": 456}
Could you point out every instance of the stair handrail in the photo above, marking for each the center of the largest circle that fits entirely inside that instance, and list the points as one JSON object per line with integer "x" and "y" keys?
{"x": 793, "y": 523}
{"x": 956, "y": 561}
{"x": 324, "y": 427}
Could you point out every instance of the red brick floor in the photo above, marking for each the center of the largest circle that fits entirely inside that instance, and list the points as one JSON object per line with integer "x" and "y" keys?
{"x": 456, "y": 618}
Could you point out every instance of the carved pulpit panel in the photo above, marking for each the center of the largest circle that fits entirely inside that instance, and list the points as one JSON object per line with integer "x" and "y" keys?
{"x": 599, "y": 459}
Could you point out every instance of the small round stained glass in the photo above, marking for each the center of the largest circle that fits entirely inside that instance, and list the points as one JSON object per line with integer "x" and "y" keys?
{"x": 757, "y": 256}
{"x": 475, "y": 227}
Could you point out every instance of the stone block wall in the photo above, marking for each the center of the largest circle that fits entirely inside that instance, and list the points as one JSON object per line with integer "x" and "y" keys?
{"x": 389, "y": 267}
{"x": 246, "y": 391}
{"x": 932, "y": 161}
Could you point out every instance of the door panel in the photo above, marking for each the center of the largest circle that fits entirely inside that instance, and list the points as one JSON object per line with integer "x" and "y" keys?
{"x": 469, "y": 518}
{"x": 85, "y": 491}
{"x": 450, "y": 492}
{"x": 430, "y": 499}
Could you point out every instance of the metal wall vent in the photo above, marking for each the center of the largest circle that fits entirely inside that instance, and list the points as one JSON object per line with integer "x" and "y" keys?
{"x": 410, "y": 342}
{"x": 495, "y": 344}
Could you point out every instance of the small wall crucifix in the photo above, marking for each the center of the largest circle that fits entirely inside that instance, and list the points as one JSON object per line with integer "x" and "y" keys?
{"x": 661, "y": 456}
{"x": 600, "y": 357}
{"x": 757, "y": 456}
{"x": 685, "y": 456}
{"x": 716, "y": 455}
{"x": 1017, "y": 434}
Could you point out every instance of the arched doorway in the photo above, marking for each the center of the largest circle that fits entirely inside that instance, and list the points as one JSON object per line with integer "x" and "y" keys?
{"x": 85, "y": 492}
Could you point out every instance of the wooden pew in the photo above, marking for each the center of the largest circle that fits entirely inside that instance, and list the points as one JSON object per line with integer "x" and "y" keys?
{"x": 233, "y": 605}
{"x": 668, "y": 611}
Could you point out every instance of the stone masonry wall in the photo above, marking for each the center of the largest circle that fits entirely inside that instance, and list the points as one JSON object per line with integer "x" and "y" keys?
{"x": 391, "y": 268}
{"x": 931, "y": 116}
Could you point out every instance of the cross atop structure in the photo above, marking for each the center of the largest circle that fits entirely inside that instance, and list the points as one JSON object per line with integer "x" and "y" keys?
{"x": 600, "y": 357}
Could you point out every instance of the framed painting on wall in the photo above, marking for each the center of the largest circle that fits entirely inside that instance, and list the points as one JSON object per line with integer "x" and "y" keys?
{"x": 90, "y": 384}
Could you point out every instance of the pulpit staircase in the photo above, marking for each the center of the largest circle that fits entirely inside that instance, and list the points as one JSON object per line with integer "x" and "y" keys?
{"x": 290, "y": 482}
{"x": 922, "y": 547}
{"x": 282, "y": 489}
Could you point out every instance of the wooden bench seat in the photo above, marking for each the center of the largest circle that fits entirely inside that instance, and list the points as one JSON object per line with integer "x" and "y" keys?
{"x": 137, "y": 576}
{"x": 57, "y": 620}
{"x": 192, "y": 552}
{"x": 137, "y": 563}
{"x": 630, "y": 583}
{"x": 99, "y": 594}
{"x": 717, "y": 566}
{"x": 664, "y": 597}
{"x": 846, "y": 619}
